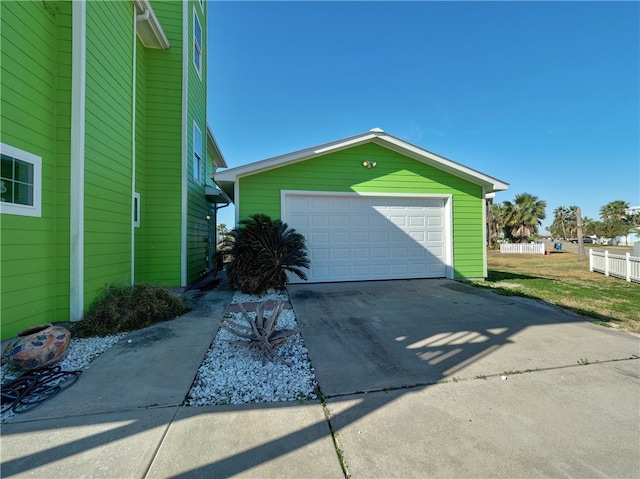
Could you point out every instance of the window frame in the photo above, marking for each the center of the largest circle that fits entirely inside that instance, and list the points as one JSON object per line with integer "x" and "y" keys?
{"x": 34, "y": 210}
{"x": 136, "y": 210}
{"x": 197, "y": 162}
{"x": 197, "y": 45}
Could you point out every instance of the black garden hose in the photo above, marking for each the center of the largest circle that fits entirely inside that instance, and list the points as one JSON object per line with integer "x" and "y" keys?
{"x": 35, "y": 387}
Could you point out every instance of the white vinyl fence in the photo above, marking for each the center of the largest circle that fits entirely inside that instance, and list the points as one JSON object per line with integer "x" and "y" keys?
{"x": 620, "y": 265}
{"x": 522, "y": 248}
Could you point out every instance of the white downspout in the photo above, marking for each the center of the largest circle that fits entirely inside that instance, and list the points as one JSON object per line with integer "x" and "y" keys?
{"x": 76, "y": 220}
{"x": 186, "y": 44}
{"x": 142, "y": 16}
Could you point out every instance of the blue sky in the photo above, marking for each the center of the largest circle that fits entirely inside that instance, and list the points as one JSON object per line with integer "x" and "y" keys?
{"x": 542, "y": 95}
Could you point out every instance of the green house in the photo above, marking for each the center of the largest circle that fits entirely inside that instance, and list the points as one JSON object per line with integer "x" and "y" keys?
{"x": 373, "y": 207}
{"x": 106, "y": 153}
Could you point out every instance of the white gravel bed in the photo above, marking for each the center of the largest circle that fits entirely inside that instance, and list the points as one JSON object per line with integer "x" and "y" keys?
{"x": 232, "y": 374}
{"x": 80, "y": 353}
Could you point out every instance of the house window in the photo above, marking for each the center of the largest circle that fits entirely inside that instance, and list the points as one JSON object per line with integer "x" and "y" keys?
{"x": 136, "y": 210}
{"x": 197, "y": 154}
{"x": 197, "y": 43}
{"x": 20, "y": 182}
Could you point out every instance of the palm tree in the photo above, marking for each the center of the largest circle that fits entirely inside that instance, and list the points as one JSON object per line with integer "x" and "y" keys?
{"x": 524, "y": 215}
{"x": 561, "y": 220}
{"x": 614, "y": 217}
{"x": 496, "y": 223}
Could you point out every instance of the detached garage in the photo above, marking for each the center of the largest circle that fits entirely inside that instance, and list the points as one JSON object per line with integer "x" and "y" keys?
{"x": 372, "y": 207}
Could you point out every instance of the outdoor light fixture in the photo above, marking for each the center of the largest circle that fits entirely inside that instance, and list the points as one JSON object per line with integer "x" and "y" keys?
{"x": 208, "y": 217}
{"x": 369, "y": 164}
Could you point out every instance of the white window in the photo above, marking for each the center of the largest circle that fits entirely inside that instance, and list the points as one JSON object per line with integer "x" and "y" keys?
{"x": 20, "y": 182}
{"x": 136, "y": 210}
{"x": 197, "y": 43}
{"x": 197, "y": 154}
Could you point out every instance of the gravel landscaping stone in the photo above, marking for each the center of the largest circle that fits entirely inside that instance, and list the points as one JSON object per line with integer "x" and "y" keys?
{"x": 229, "y": 374}
{"x": 232, "y": 374}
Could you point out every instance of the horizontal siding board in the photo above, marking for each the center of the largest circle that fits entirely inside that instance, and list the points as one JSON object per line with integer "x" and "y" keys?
{"x": 108, "y": 146}
{"x": 162, "y": 112}
{"x": 395, "y": 174}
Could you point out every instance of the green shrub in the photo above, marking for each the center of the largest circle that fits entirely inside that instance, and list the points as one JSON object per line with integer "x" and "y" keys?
{"x": 124, "y": 308}
{"x": 262, "y": 251}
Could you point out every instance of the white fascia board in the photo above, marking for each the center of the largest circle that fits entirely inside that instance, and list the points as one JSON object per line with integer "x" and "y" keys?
{"x": 216, "y": 153}
{"x": 148, "y": 28}
{"x": 441, "y": 163}
{"x": 378, "y": 137}
{"x": 301, "y": 155}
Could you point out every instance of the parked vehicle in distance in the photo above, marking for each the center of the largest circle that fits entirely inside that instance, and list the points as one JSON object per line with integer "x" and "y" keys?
{"x": 585, "y": 240}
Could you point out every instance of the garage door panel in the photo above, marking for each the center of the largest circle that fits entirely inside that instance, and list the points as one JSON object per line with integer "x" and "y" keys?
{"x": 379, "y": 221}
{"x": 415, "y": 252}
{"x": 360, "y": 221}
{"x": 339, "y": 221}
{"x": 318, "y": 203}
{"x": 418, "y": 236}
{"x": 360, "y": 238}
{"x": 379, "y": 237}
{"x": 319, "y": 254}
{"x": 434, "y": 221}
{"x": 379, "y": 253}
{"x": 361, "y": 253}
{"x": 340, "y": 253}
{"x": 434, "y": 237}
{"x": 417, "y": 221}
{"x": 317, "y": 237}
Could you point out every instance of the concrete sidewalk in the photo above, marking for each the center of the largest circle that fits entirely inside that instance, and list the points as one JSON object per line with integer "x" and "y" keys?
{"x": 125, "y": 419}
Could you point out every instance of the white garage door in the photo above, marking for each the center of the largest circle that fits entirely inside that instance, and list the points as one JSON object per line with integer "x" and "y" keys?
{"x": 355, "y": 238}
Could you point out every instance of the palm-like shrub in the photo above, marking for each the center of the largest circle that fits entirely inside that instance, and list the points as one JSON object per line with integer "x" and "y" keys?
{"x": 262, "y": 252}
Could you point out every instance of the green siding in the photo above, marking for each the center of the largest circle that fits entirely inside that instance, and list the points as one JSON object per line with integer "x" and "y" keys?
{"x": 342, "y": 171}
{"x": 162, "y": 198}
{"x": 197, "y": 204}
{"x": 140, "y": 152}
{"x": 36, "y": 117}
{"x": 35, "y": 72}
{"x": 108, "y": 146}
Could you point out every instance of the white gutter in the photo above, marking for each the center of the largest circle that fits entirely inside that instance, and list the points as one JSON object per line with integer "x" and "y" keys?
{"x": 149, "y": 29}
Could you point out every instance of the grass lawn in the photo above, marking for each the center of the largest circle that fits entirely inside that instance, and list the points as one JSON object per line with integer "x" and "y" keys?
{"x": 562, "y": 279}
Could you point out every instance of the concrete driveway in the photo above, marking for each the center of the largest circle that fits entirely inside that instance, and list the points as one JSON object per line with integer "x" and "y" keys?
{"x": 412, "y": 373}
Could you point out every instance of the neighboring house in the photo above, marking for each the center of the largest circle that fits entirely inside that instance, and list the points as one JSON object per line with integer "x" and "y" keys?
{"x": 106, "y": 154}
{"x": 372, "y": 206}
{"x": 633, "y": 236}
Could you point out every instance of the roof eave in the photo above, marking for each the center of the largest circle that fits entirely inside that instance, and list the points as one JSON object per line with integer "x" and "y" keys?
{"x": 148, "y": 27}
{"x": 490, "y": 183}
{"x": 214, "y": 149}
{"x": 376, "y": 136}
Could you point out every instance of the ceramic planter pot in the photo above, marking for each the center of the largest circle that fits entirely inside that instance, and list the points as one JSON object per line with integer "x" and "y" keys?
{"x": 38, "y": 347}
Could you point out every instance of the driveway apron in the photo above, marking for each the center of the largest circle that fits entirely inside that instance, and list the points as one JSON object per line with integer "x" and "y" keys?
{"x": 434, "y": 378}
{"x": 378, "y": 335}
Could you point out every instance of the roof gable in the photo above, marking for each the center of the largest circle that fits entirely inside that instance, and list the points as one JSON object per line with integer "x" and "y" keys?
{"x": 227, "y": 179}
